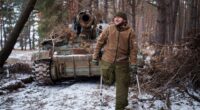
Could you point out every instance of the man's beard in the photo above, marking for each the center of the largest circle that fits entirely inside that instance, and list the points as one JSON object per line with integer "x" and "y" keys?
{"x": 119, "y": 24}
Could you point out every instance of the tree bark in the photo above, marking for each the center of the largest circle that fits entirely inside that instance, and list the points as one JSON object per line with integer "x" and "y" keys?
{"x": 96, "y": 5}
{"x": 29, "y": 37}
{"x": 33, "y": 40}
{"x": 105, "y": 10}
{"x": 180, "y": 23}
{"x": 172, "y": 7}
{"x": 4, "y": 33}
{"x": 133, "y": 8}
{"x": 161, "y": 23}
{"x": 90, "y": 5}
{"x": 123, "y": 5}
{"x": 193, "y": 16}
{"x": 21, "y": 42}
{"x": 12, "y": 39}
{"x": 198, "y": 4}
{"x": 1, "y": 31}
{"x": 114, "y": 7}
{"x": 1, "y": 25}
{"x": 79, "y": 5}
{"x": 25, "y": 41}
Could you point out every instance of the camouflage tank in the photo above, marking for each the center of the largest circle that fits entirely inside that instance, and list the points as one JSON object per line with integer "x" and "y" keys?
{"x": 67, "y": 54}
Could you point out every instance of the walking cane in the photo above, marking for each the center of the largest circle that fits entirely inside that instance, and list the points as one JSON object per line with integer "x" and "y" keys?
{"x": 137, "y": 80}
{"x": 138, "y": 84}
{"x": 101, "y": 91}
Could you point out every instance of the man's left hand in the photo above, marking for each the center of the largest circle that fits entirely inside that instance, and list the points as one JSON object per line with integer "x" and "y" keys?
{"x": 134, "y": 69}
{"x": 95, "y": 62}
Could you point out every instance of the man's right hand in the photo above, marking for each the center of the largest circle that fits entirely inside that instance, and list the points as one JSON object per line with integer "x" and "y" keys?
{"x": 134, "y": 69}
{"x": 95, "y": 62}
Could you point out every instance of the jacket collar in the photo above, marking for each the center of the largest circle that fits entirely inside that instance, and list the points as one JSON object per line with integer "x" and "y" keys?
{"x": 122, "y": 27}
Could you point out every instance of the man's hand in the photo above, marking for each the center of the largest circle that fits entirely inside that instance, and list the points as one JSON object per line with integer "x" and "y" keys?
{"x": 134, "y": 69}
{"x": 95, "y": 62}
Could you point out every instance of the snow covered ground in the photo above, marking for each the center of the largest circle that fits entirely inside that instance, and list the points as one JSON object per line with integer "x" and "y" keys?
{"x": 79, "y": 96}
{"x": 84, "y": 95}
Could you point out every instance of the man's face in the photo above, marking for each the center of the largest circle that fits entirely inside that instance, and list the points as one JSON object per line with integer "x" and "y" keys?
{"x": 118, "y": 20}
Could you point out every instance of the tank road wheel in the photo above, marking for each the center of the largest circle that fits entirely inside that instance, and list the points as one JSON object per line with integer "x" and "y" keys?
{"x": 41, "y": 70}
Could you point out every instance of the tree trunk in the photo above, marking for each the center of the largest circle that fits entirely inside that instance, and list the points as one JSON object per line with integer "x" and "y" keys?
{"x": 105, "y": 10}
{"x": 33, "y": 40}
{"x": 171, "y": 7}
{"x": 29, "y": 36}
{"x": 90, "y": 5}
{"x": 172, "y": 18}
{"x": 4, "y": 33}
{"x": 114, "y": 7}
{"x": 198, "y": 14}
{"x": 79, "y": 5}
{"x": 119, "y": 5}
{"x": 123, "y": 5}
{"x": 96, "y": 5}
{"x": 21, "y": 42}
{"x": 133, "y": 7}
{"x": 161, "y": 23}
{"x": 193, "y": 16}
{"x": 1, "y": 35}
{"x": 25, "y": 41}
{"x": 180, "y": 23}
{"x": 1, "y": 25}
{"x": 166, "y": 21}
{"x": 187, "y": 19}
{"x": 182, "y": 19}
{"x": 12, "y": 39}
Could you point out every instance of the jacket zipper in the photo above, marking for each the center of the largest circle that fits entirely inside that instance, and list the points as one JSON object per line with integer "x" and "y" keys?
{"x": 117, "y": 46}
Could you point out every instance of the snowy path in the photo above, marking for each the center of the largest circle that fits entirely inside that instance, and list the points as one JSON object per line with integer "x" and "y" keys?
{"x": 79, "y": 96}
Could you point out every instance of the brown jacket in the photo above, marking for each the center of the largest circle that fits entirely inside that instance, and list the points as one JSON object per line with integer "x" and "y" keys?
{"x": 118, "y": 46}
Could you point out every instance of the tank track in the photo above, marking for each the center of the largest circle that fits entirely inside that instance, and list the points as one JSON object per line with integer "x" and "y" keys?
{"x": 41, "y": 70}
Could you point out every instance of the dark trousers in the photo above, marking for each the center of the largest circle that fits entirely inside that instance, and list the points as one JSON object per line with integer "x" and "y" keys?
{"x": 118, "y": 73}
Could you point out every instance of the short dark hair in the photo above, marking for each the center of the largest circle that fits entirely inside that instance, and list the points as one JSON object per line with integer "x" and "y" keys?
{"x": 121, "y": 14}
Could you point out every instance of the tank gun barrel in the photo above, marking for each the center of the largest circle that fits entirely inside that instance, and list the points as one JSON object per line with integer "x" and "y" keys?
{"x": 86, "y": 25}
{"x": 86, "y": 19}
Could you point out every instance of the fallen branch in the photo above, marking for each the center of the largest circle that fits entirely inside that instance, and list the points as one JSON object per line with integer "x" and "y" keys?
{"x": 192, "y": 95}
{"x": 178, "y": 71}
{"x": 13, "y": 85}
